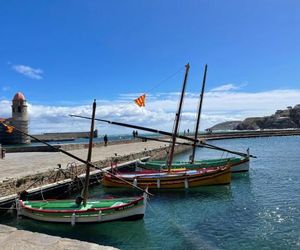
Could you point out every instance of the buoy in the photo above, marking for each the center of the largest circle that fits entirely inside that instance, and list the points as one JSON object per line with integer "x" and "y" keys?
{"x": 158, "y": 183}
{"x": 18, "y": 208}
{"x": 186, "y": 183}
{"x": 100, "y": 215}
{"x": 73, "y": 219}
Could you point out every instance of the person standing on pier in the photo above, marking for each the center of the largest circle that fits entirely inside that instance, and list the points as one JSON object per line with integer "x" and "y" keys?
{"x": 105, "y": 140}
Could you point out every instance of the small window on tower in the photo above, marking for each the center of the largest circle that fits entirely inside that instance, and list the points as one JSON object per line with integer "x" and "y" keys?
{"x": 19, "y": 109}
{"x": 13, "y": 110}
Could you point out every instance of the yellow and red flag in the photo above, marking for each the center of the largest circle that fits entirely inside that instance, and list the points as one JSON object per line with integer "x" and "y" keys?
{"x": 140, "y": 101}
{"x": 8, "y": 129}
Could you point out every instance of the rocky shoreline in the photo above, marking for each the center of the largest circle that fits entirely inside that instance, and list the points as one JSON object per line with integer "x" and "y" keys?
{"x": 288, "y": 118}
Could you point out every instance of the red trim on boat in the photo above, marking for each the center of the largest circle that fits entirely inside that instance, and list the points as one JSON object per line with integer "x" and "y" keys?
{"x": 80, "y": 211}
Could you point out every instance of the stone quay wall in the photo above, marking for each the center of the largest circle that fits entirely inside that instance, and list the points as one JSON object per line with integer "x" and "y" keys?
{"x": 67, "y": 147}
{"x": 14, "y": 186}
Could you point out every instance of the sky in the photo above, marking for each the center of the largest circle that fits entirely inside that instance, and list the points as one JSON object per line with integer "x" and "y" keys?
{"x": 64, "y": 54}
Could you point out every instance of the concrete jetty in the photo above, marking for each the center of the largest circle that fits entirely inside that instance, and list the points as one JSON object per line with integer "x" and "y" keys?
{"x": 14, "y": 239}
{"x": 39, "y": 170}
{"x": 18, "y": 165}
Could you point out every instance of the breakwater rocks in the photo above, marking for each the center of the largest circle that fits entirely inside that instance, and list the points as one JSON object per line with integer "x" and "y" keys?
{"x": 282, "y": 119}
{"x": 64, "y": 146}
{"x": 66, "y": 136}
{"x": 12, "y": 238}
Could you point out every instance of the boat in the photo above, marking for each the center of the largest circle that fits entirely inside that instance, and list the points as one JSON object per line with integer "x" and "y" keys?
{"x": 237, "y": 164}
{"x": 82, "y": 209}
{"x": 68, "y": 211}
{"x": 174, "y": 179}
{"x": 154, "y": 177}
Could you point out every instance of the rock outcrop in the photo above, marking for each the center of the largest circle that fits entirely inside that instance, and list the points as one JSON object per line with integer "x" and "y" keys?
{"x": 282, "y": 119}
{"x": 230, "y": 125}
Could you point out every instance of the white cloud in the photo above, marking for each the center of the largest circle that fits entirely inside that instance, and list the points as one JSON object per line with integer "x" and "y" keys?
{"x": 5, "y": 109}
{"x": 28, "y": 71}
{"x": 228, "y": 87}
{"x": 5, "y": 88}
{"x": 159, "y": 112}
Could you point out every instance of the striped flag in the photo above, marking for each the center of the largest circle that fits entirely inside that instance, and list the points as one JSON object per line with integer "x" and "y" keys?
{"x": 8, "y": 129}
{"x": 140, "y": 101}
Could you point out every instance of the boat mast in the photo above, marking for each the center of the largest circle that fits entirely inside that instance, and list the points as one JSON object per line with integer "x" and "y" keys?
{"x": 199, "y": 115}
{"x": 85, "y": 190}
{"x": 177, "y": 117}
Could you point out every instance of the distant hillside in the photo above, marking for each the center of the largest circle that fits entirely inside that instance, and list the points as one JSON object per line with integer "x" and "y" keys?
{"x": 282, "y": 119}
{"x": 231, "y": 125}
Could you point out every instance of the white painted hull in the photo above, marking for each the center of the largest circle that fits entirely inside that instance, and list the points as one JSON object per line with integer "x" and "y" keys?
{"x": 137, "y": 211}
{"x": 118, "y": 212}
{"x": 243, "y": 167}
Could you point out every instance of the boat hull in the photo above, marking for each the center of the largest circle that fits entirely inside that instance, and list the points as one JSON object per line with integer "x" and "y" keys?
{"x": 129, "y": 211}
{"x": 172, "y": 180}
{"x": 237, "y": 164}
{"x": 242, "y": 166}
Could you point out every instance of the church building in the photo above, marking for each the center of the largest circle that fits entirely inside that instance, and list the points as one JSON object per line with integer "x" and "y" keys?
{"x": 19, "y": 120}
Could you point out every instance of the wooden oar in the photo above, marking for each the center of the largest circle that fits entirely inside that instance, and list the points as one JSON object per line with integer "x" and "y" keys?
{"x": 76, "y": 157}
{"x": 163, "y": 133}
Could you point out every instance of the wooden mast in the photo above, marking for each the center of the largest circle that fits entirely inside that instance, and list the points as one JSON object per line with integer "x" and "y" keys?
{"x": 192, "y": 160}
{"x": 177, "y": 118}
{"x": 85, "y": 190}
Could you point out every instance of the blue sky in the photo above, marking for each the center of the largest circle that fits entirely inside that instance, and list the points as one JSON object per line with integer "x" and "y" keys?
{"x": 63, "y": 54}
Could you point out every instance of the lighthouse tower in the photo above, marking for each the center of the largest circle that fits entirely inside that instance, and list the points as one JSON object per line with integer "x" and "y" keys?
{"x": 19, "y": 119}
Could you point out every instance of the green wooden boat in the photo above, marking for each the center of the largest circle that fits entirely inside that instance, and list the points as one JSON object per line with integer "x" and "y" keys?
{"x": 100, "y": 210}
{"x": 83, "y": 210}
{"x": 238, "y": 164}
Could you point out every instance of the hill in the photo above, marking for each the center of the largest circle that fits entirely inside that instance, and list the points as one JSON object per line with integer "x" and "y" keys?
{"x": 282, "y": 119}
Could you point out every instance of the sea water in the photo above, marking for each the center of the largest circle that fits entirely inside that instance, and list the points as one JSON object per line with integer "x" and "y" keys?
{"x": 258, "y": 210}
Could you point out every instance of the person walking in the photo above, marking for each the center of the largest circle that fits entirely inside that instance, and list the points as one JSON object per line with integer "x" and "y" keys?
{"x": 105, "y": 140}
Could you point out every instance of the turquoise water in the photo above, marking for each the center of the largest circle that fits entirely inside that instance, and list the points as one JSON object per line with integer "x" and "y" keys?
{"x": 259, "y": 210}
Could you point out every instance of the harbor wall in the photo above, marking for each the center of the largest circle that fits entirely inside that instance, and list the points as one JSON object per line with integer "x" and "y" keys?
{"x": 222, "y": 135}
{"x": 67, "y": 147}
{"x": 56, "y": 175}
{"x": 206, "y": 136}
{"x": 64, "y": 136}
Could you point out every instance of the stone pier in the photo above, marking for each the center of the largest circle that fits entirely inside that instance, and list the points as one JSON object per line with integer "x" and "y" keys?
{"x": 14, "y": 239}
{"x": 21, "y": 170}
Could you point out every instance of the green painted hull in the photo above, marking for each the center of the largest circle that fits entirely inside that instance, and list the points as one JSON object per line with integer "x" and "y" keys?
{"x": 161, "y": 165}
{"x": 94, "y": 211}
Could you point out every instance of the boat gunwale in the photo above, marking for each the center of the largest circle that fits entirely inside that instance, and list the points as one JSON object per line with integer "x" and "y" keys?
{"x": 173, "y": 180}
{"x": 136, "y": 201}
{"x": 180, "y": 173}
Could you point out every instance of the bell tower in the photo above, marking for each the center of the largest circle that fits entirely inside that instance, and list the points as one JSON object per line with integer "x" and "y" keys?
{"x": 19, "y": 119}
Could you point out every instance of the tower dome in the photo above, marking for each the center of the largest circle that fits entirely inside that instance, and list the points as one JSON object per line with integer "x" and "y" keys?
{"x": 19, "y": 119}
{"x": 19, "y": 97}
